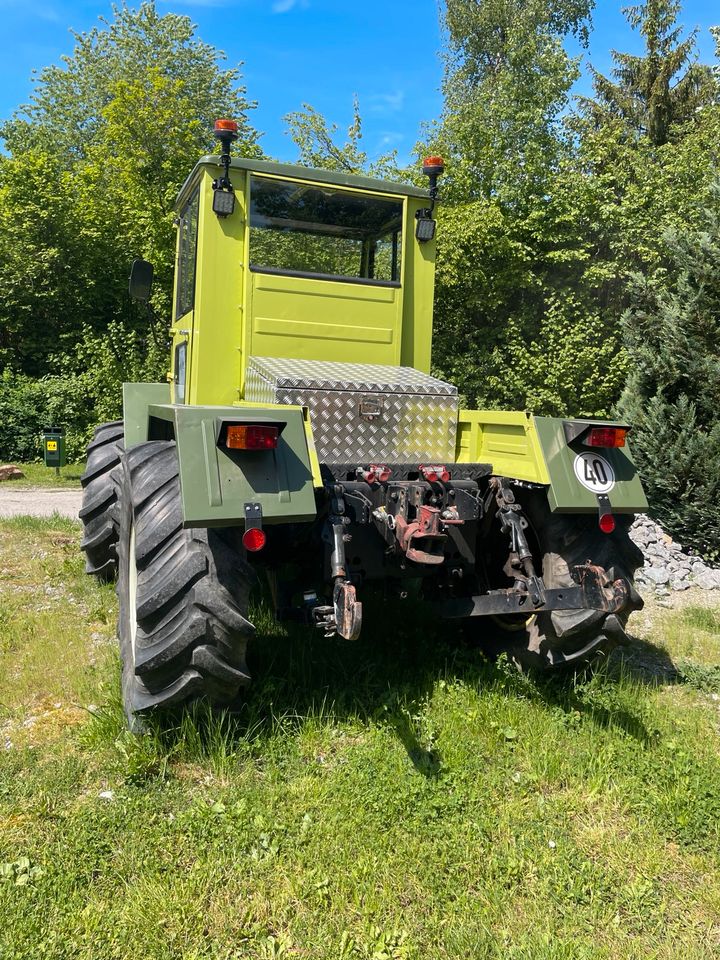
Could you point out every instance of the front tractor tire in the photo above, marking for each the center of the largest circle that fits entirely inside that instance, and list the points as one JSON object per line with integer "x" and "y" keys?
{"x": 183, "y": 594}
{"x": 98, "y": 511}
{"x": 570, "y": 641}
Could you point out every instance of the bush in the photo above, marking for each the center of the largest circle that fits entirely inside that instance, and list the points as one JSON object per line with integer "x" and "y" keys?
{"x": 86, "y": 391}
{"x": 27, "y": 405}
{"x": 673, "y": 392}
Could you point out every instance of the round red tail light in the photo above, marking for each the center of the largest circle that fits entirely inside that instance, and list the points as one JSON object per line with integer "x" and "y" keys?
{"x": 607, "y": 523}
{"x": 254, "y": 539}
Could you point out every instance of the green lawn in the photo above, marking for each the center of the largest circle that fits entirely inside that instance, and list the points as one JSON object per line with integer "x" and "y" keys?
{"x": 392, "y": 798}
{"x": 38, "y": 475}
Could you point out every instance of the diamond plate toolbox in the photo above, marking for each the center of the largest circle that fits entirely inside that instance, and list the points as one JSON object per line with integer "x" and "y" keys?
{"x": 363, "y": 413}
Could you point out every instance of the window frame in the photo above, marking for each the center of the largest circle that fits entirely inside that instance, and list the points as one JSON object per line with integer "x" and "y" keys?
{"x": 395, "y": 237}
{"x": 182, "y": 308}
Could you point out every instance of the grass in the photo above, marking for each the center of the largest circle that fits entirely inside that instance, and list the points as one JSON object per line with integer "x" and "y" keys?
{"x": 394, "y": 798}
{"x": 38, "y": 475}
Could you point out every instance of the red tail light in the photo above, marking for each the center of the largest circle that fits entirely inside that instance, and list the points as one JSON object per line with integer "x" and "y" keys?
{"x": 607, "y": 523}
{"x": 435, "y": 473}
{"x": 253, "y": 437}
{"x": 254, "y": 539}
{"x": 606, "y": 437}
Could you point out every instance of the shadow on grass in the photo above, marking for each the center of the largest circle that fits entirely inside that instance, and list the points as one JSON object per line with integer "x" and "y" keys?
{"x": 644, "y": 662}
{"x": 386, "y": 676}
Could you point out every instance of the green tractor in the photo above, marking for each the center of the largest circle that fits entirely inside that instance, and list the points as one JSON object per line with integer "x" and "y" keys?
{"x": 301, "y": 436}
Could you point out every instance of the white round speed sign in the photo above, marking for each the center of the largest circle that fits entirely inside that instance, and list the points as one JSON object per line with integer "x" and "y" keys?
{"x": 594, "y": 472}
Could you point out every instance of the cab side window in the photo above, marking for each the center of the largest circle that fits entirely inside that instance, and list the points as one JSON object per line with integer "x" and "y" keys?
{"x": 187, "y": 256}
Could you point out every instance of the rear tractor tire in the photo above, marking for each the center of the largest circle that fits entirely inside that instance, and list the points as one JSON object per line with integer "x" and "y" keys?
{"x": 98, "y": 512}
{"x": 183, "y": 594}
{"x": 569, "y": 641}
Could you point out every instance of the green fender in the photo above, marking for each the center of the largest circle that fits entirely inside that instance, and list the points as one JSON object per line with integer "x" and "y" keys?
{"x": 216, "y": 483}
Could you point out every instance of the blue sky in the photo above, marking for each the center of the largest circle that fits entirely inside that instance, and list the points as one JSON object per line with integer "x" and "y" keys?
{"x": 318, "y": 51}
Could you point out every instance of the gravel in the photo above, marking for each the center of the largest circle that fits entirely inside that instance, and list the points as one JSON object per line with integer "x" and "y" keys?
{"x": 669, "y": 568}
{"x": 39, "y": 502}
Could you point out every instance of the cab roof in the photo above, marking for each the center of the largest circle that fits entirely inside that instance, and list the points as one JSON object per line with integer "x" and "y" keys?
{"x": 295, "y": 171}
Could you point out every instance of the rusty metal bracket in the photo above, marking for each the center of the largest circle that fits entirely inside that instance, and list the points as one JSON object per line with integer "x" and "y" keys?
{"x": 348, "y": 610}
{"x": 417, "y": 536}
{"x": 600, "y": 591}
{"x": 344, "y": 617}
{"x": 594, "y": 591}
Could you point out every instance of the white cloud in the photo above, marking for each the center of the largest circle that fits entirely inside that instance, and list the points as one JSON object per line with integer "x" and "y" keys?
{"x": 46, "y": 12}
{"x": 385, "y": 103}
{"x": 391, "y": 138}
{"x": 284, "y": 6}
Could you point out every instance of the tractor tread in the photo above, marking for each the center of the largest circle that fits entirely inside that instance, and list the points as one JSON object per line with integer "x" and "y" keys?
{"x": 191, "y": 596}
{"x": 98, "y": 511}
{"x": 573, "y": 640}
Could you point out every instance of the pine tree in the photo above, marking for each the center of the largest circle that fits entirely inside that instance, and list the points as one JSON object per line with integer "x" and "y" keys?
{"x": 672, "y": 397}
{"x": 657, "y": 92}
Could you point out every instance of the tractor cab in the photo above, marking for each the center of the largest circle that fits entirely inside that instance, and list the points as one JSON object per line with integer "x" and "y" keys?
{"x": 283, "y": 261}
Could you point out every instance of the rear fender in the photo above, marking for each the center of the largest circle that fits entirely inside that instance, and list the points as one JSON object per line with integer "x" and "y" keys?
{"x": 579, "y": 473}
{"x": 215, "y": 482}
{"x": 537, "y": 450}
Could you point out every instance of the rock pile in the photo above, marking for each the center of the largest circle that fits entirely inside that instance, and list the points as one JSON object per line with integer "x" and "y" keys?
{"x": 8, "y": 471}
{"x": 667, "y": 566}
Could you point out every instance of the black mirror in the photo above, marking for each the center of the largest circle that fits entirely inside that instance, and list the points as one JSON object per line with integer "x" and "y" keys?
{"x": 141, "y": 279}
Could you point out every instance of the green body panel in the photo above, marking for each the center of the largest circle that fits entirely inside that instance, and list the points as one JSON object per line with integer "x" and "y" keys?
{"x": 216, "y": 483}
{"x": 566, "y": 493}
{"x": 137, "y": 398}
{"x": 239, "y": 312}
{"x": 535, "y": 449}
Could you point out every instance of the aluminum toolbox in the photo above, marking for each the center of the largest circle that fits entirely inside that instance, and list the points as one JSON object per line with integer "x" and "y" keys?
{"x": 363, "y": 413}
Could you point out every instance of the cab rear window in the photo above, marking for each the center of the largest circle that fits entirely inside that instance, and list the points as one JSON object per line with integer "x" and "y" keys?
{"x": 324, "y": 232}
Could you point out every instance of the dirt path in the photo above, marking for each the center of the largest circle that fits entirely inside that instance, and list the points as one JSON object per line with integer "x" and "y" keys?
{"x": 38, "y": 502}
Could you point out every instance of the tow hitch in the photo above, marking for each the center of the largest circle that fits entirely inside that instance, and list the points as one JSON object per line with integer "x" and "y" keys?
{"x": 344, "y": 617}
{"x": 594, "y": 591}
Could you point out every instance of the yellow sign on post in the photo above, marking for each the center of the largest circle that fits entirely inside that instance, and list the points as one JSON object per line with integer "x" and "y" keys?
{"x": 53, "y": 440}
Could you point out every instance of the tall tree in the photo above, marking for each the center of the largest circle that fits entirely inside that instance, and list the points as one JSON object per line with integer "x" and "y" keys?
{"x": 673, "y": 393}
{"x": 317, "y": 142}
{"x": 518, "y": 319}
{"x": 507, "y": 82}
{"x": 655, "y": 93}
{"x": 93, "y": 164}
{"x": 68, "y": 105}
